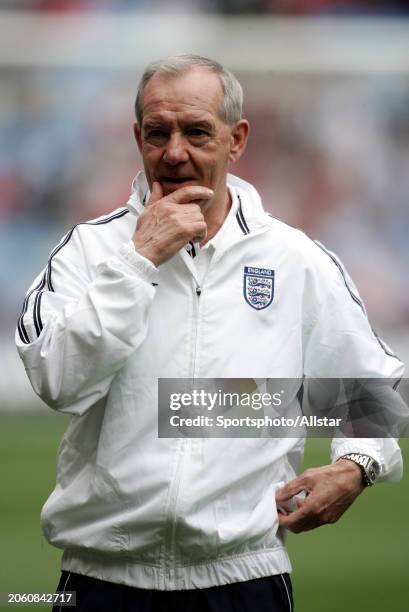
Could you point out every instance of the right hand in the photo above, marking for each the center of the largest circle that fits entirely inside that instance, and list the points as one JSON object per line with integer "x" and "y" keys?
{"x": 169, "y": 222}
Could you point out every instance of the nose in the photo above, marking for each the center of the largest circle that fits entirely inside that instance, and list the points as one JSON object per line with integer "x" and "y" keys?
{"x": 175, "y": 150}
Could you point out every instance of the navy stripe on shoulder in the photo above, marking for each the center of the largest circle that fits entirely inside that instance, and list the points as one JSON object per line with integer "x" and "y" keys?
{"x": 384, "y": 345}
{"x": 355, "y": 298}
{"x": 342, "y": 272}
{"x": 46, "y": 279}
{"x": 58, "y": 248}
{"x": 241, "y": 220}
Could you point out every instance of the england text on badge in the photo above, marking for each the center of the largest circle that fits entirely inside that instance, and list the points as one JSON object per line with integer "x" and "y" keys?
{"x": 258, "y": 287}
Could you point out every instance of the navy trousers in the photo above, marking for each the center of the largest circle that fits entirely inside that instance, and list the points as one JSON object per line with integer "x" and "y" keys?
{"x": 271, "y": 594}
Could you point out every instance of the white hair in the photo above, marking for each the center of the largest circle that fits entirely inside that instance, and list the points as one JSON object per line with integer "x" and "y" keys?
{"x": 232, "y": 106}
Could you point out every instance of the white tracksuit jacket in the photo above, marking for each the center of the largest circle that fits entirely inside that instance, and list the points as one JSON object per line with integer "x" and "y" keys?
{"x": 101, "y": 324}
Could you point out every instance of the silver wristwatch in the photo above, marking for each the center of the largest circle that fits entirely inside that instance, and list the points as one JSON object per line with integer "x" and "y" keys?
{"x": 369, "y": 467}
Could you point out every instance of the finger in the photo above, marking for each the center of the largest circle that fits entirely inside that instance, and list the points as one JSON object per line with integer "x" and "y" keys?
{"x": 190, "y": 194}
{"x": 199, "y": 238}
{"x": 190, "y": 210}
{"x": 200, "y": 232}
{"x": 294, "y": 521}
{"x": 300, "y": 501}
{"x": 287, "y": 522}
{"x": 290, "y": 489}
{"x": 156, "y": 193}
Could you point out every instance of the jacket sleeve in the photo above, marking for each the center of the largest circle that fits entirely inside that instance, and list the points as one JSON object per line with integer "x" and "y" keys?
{"x": 342, "y": 344}
{"x": 77, "y": 330}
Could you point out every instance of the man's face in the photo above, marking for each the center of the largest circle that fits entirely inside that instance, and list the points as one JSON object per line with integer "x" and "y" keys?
{"x": 182, "y": 139}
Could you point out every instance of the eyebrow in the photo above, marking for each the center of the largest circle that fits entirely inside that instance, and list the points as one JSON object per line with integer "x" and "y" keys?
{"x": 161, "y": 124}
{"x": 201, "y": 123}
{"x": 153, "y": 124}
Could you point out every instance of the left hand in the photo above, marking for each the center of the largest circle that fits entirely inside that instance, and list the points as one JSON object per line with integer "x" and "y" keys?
{"x": 329, "y": 490}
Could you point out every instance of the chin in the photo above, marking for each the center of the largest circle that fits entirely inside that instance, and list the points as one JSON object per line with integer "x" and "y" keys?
{"x": 170, "y": 187}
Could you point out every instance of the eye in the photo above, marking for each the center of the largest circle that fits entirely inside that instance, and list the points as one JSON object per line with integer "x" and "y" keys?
{"x": 198, "y": 133}
{"x": 155, "y": 133}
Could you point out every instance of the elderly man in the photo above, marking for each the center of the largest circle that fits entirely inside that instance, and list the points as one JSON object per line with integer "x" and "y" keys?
{"x": 160, "y": 289}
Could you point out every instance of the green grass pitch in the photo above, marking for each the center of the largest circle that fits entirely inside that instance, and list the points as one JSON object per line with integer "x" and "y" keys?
{"x": 361, "y": 564}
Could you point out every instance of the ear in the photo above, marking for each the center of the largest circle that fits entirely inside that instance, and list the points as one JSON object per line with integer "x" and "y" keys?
{"x": 138, "y": 136}
{"x": 239, "y": 136}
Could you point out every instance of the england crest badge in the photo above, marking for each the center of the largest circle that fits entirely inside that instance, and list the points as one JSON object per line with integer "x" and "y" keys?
{"x": 258, "y": 287}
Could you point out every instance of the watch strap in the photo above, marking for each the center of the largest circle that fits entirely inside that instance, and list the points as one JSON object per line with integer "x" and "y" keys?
{"x": 370, "y": 468}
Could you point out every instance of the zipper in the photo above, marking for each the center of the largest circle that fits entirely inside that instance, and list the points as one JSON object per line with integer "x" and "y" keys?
{"x": 198, "y": 291}
{"x": 183, "y": 448}
{"x": 184, "y": 444}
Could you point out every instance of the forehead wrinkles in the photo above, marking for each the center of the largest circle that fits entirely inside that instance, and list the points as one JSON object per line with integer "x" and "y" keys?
{"x": 160, "y": 106}
{"x": 198, "y": 91}
{"x": 175, "y": 118}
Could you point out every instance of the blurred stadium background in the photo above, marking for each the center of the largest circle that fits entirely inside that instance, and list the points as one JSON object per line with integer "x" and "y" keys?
{"x": 327, "y": 93}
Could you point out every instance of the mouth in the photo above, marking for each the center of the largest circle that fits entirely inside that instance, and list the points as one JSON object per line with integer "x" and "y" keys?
{"x": 177, "y": 181}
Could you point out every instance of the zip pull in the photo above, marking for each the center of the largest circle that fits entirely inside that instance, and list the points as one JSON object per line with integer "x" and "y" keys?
{"x": 198, "y": 291}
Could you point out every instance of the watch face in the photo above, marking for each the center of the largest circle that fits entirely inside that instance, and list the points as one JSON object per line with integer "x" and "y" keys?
{"x": 372, "y": 474}
{"x": 374, "y": 469}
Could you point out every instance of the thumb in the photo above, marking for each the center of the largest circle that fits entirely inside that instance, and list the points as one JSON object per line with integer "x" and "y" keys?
{"x": 156, "y": 192}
